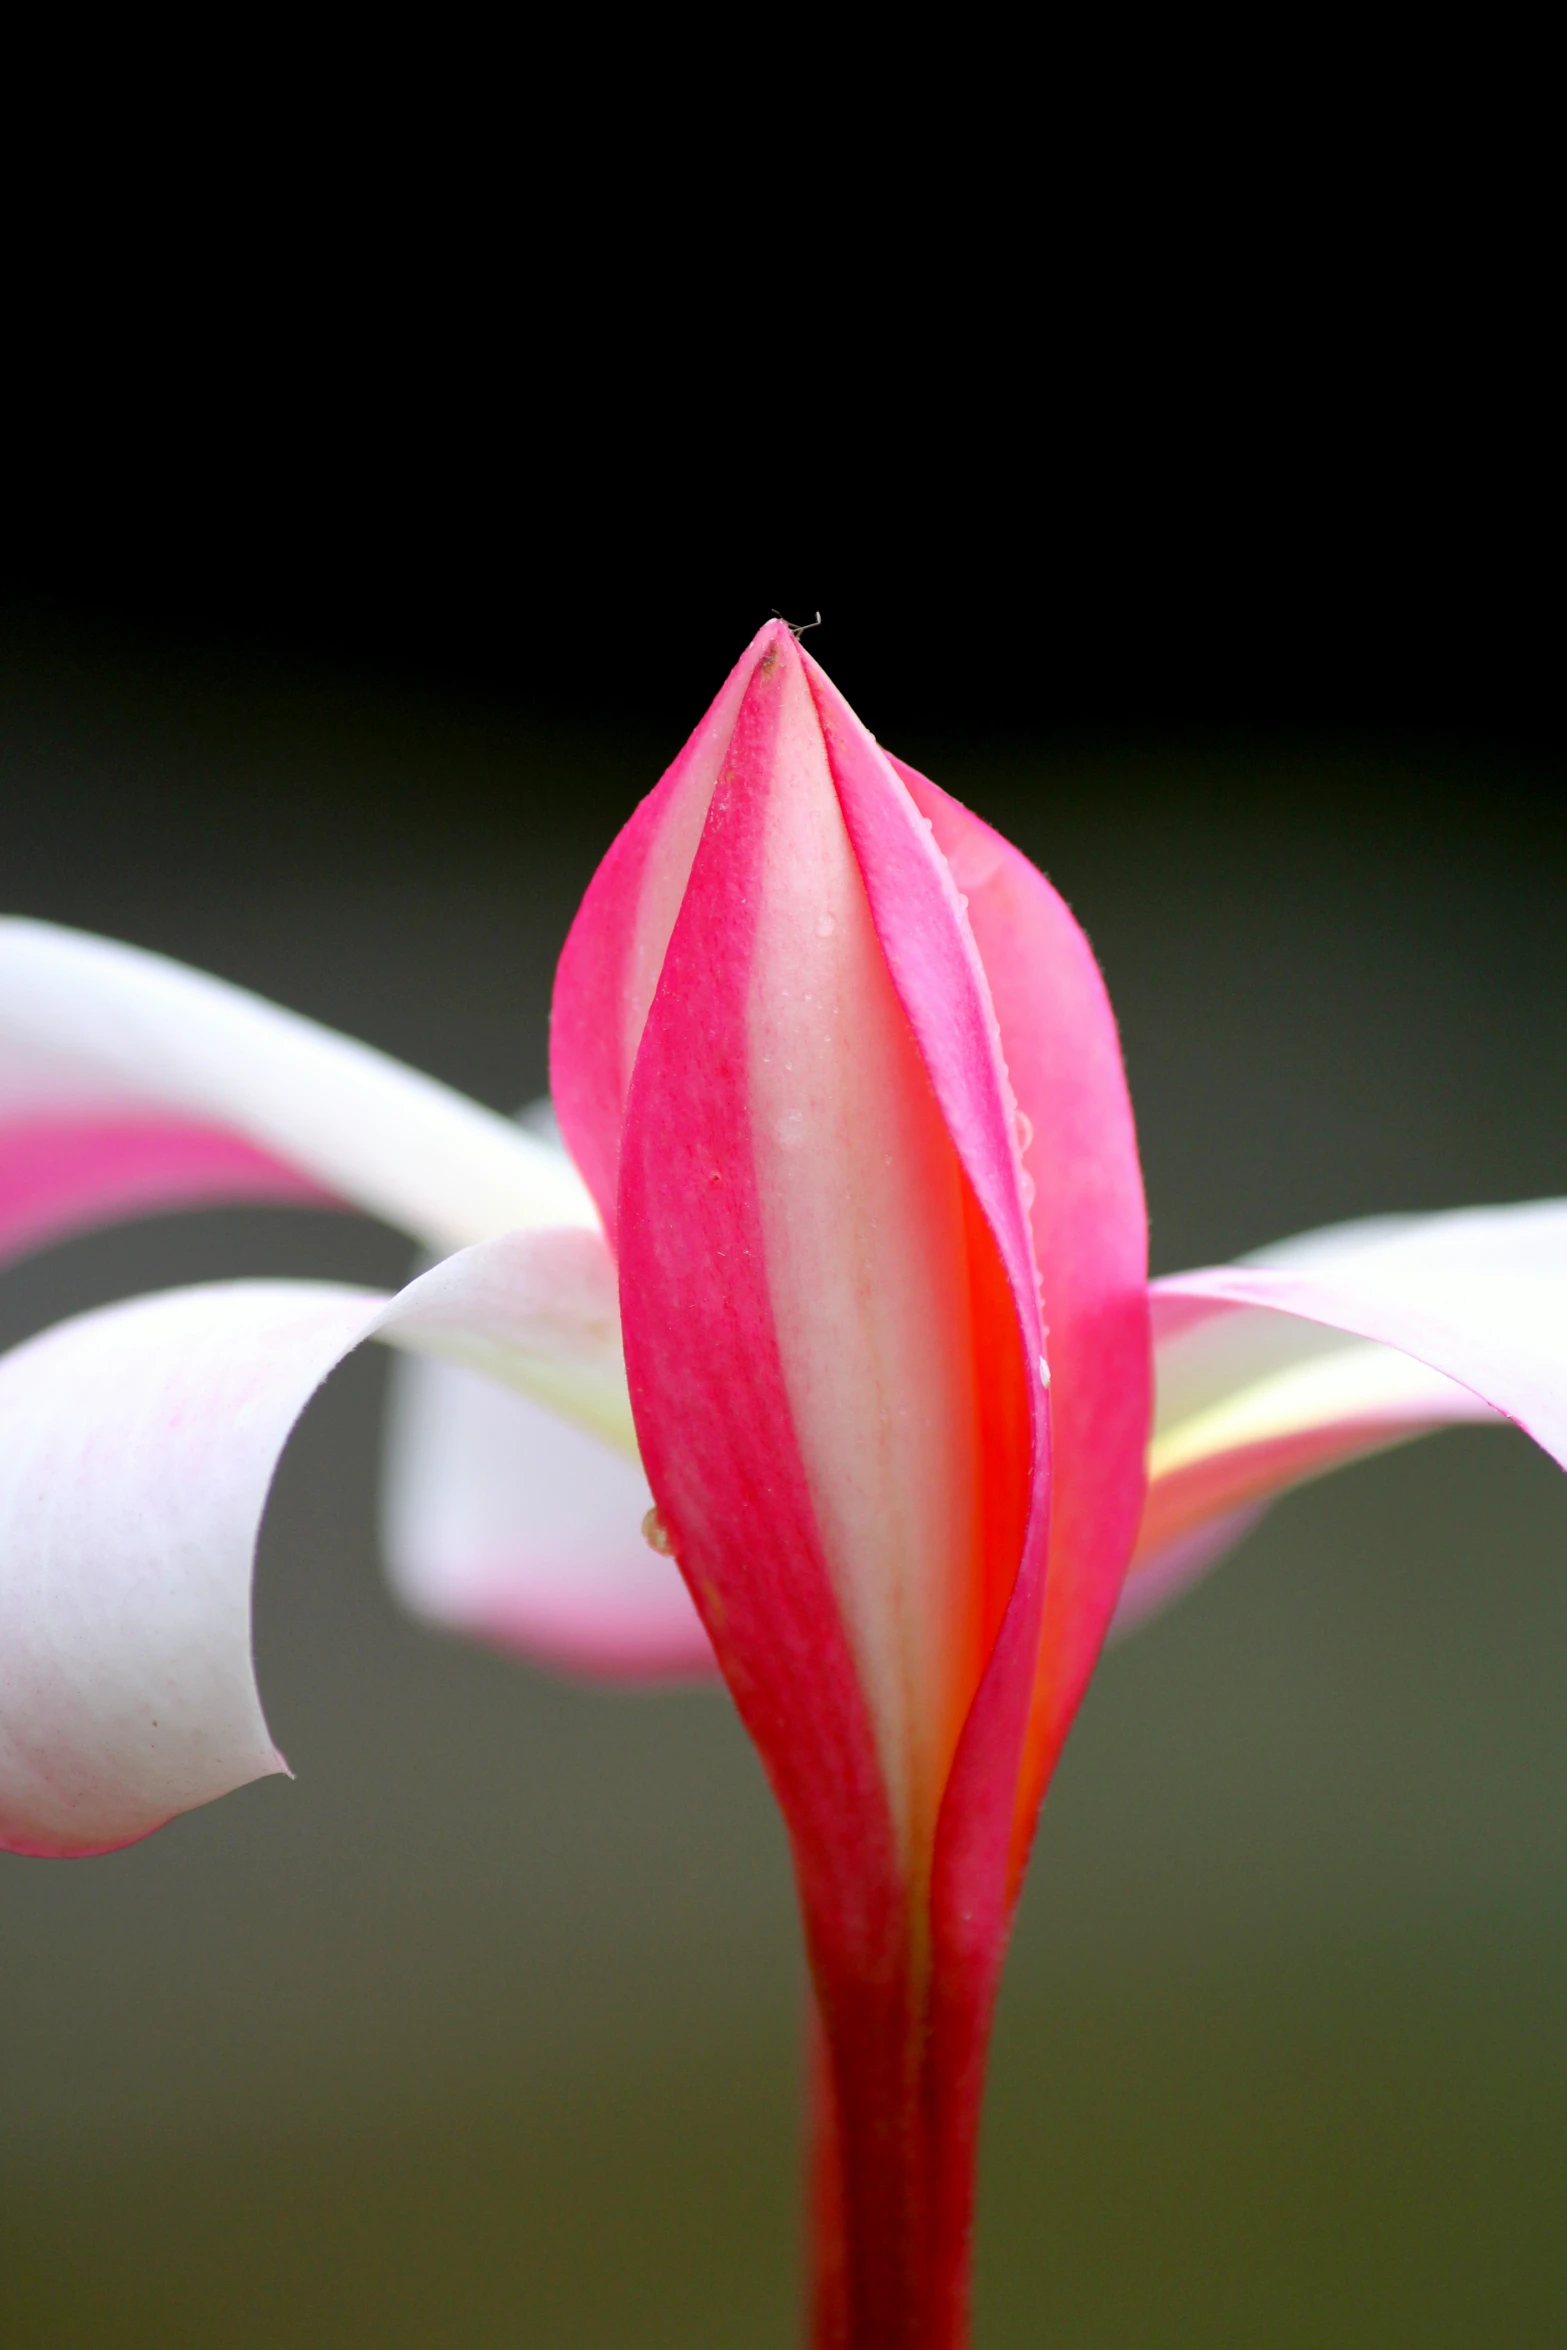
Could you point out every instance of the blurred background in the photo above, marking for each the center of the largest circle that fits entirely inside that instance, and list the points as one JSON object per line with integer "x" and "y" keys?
{"x": 482, "y": 2031}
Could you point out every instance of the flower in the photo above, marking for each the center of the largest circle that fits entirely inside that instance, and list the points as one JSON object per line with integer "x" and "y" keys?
{"x": 837, "y": 1286}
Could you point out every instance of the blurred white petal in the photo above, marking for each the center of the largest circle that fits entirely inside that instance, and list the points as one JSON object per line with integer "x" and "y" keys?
{"x": 503, "y": 1522}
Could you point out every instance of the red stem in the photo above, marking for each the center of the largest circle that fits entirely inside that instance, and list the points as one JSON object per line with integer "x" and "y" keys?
{"x": 893, "y": 2123}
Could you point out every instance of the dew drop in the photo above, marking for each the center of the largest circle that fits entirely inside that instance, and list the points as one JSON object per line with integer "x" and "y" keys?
{"x": 1026, "y": 1183}
{"x": 826, "y": 924}
{"x": 656, "y": 1534}
{"x": 1025, "y": 1129}
{"x": 1044, "y": 1381}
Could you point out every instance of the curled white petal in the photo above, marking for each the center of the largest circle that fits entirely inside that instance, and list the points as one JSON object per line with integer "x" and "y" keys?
{"x": 1334, "y": 1345}
{"x": 93, "y": 1032}
{"x": 137, "y": 1447}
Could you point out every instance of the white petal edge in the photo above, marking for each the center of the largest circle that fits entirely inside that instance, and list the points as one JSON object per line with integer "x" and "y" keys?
{"x": 137, "y": 1448}
{"x": 1334, "y": 1345}
{"x": 89, "y": 1027}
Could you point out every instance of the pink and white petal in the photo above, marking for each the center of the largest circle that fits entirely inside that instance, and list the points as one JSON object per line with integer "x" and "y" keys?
{"x": 922, "y": 930}
{"x": 130, "y": 1083}
{"x": 63, "y": 1174}
{"x": 1334, "y": 1346}
{"x": 137, "y": 1445}
{"x": 610, "y": 965}
{"x": 731, "y": 1162}
{"x": 1218, "y": 1459}
{"x": 506, "y": 1523}
{"x": 1479, "y": 1295}
{"x": 1090, "y": 1234}
{"x": 1162, "y": 1571}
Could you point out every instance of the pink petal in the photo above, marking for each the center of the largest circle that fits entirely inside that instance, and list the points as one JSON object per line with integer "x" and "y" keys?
{"x": 507, "y": 1523}
{"x": 920, "y": 926}
{"x": 1090, "y": 1234}
{"x": 833, "y": 1343}
{"x": 1334, "y": 1346}
{"x": 610, "y": 964}
{"x": 1161, "y": 1571}
{"x": 58, "y": 1175}
{"x": 931, "y": 955}
{"x": 740, "y": 1201}
{"x": 128, "y": 1083}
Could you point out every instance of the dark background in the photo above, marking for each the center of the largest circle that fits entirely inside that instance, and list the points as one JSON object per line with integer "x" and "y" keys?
{"x": 483, "y": 2030}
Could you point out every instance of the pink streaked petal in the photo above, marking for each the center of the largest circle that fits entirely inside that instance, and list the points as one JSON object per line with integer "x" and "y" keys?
{"x": 937, "y": 971}
{"x": 1090, "y": 1235}
{"x": 612, "y": 958}
{"x": 936, "y": 968}
{"x": 710, "y": 1388}
{"x": 1479, "y": 1296}
{"x": 1252, "y": 1403}
{"x": 866, "y": 1227}
{"x": 96, "y": 1036}
{"x": 504, "y": 1522}
{"x": 60, "y": 1175}
{"x": 1332, "y": 1347}
{"x": 841, "y": 1420}
{"x": 1161, "y": 1573}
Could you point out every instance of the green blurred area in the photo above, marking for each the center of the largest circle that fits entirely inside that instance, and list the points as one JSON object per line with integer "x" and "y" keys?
{"x": 483, "y": 2030}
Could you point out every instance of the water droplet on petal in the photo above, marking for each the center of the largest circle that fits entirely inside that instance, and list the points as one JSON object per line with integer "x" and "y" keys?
{"x": 656, "y": 1534}
{"x": 1044, "y": 1381}
{"x": 826, "y": 924}
{"x": 1026, "y": 1182}
{"x": 1025, "y": 1129}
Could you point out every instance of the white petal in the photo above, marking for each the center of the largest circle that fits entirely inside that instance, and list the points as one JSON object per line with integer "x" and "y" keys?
{"x": 1337, "y": 1344}
{"x": 536, "y": 1310}
{"x": 505, "y": 1523}
{"x": 96, "y": 1035}
{"x": 137, "y": 1445}
{"x": 1479, "y": 1296}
